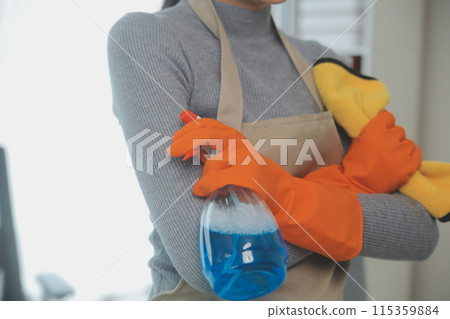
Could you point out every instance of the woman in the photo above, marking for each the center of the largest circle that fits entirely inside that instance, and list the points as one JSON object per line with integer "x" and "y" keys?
{"x": 164, "y": 62}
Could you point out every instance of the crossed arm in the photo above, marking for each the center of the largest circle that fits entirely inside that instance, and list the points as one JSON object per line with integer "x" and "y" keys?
{"x": 395, "y": 226}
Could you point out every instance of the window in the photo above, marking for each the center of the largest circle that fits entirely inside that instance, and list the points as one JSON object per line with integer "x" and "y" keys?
{"x": 340, "y": 24}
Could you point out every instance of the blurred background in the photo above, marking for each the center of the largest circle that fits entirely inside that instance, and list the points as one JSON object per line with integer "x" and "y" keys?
{"x": 77, "y": 208}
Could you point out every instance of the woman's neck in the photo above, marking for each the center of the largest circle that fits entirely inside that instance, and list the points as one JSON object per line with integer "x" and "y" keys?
{"x": 241, "y": 22}
{"x": 249, "y": 4}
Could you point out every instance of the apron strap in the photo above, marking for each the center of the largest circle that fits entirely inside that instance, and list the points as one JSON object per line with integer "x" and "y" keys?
{"x": 231, "y": 104}
{"x": 303, "y": 68}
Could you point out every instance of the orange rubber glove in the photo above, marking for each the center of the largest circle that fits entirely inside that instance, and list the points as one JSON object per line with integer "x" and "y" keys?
{"x": 320, "y": 215}
{"x": 355, "y": 99}
{"x": 380, "y": 159}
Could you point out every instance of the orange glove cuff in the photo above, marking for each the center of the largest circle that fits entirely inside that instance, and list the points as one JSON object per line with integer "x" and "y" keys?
{"x": 323, "y": 218}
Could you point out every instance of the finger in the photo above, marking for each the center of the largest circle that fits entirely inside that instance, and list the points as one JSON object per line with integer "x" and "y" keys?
{"x": 213, "y": 138}
{"x": 208, "y": 183}
{"x": 204, "y": 123}
{"x": 412, "y": 150}
{"x": 183, "y": 146}
{"x": 230, "y": 156}
{"x": 417, "y": 156}
{"x": 218, "y": 162}
{"x": 213, "y": 180}
{"x": 186, "y": 128}
{"x": 397, "y": 133}
{"x": 387, "y": 118}
{"x": 203, "y": 155}
{"x": 383, "y": 120}
{"x": 411, "y": 154}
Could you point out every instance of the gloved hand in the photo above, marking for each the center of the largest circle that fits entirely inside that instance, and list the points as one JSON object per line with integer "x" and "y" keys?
{"x": 380, "y": 159}
{"x": 352, "y": 98}
{"x": 355, "y": 99}
{"x": 320, "y": 215}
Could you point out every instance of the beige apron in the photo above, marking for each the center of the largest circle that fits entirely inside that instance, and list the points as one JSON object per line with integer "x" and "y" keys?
{"x": 316, "y": 277}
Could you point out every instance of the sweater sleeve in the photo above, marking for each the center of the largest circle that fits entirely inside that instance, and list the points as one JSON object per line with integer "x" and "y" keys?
{"x": 396, "y": 227}
{"x": 151, "y": 83}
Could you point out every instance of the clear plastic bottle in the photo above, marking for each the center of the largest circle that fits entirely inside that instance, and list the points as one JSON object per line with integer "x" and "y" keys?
{"x": 243, "y": 253}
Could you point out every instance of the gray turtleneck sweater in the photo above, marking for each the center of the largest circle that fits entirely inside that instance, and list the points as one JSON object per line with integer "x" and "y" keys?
{"x": 174, "y": 49}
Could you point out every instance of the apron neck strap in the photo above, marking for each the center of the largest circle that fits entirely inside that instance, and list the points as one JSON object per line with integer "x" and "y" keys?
{"x": 303, "y": 68}
{"x": 231, "y": 104}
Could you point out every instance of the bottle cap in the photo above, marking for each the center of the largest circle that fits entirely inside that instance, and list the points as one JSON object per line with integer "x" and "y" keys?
{"x": 187, "y": 116}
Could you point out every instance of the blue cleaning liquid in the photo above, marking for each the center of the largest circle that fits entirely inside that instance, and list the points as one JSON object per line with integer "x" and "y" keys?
{"x": 242, "y": 267}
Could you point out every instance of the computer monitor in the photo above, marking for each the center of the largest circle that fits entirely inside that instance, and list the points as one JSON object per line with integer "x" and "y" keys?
{"x": 10, "y": 284}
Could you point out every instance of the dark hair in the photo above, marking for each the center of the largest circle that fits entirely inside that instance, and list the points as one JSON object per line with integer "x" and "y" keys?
{"x": 169, "y": 3}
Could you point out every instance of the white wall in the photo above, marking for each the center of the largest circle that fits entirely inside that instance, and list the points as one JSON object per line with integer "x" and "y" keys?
{"x": 396, "y": 57}
{"x": 431, "y": 277}
{"x": 410, "y": 45}
{"x": 78, "y": 207}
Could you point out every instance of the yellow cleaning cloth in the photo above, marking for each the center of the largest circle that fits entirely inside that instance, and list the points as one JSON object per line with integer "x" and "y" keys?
{"x": 354, "y": 99}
